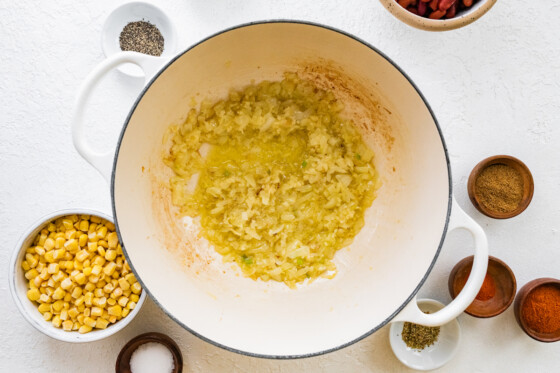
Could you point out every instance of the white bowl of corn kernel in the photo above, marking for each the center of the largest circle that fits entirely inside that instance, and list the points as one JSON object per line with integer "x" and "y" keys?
{"x": 69, "y": 278}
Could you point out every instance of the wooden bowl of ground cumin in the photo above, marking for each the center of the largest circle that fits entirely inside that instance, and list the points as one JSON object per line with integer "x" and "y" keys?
{"x": 501, "y": 186}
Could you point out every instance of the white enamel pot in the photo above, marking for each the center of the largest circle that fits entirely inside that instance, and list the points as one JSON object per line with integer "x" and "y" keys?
{"x": 382, "y": 270}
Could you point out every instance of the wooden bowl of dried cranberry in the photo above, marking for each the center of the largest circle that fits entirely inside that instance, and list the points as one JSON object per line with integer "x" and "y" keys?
{"x": 438, "y": 15}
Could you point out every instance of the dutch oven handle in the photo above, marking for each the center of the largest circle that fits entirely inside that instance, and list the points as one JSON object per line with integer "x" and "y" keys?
{"x": 103, "y": 162}
{"x": 411, "y": 313}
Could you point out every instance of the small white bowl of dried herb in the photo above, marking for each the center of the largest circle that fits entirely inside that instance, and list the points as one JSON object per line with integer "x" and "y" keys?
{"x": 421, "y": 347}
{"x": 138, "y": 27}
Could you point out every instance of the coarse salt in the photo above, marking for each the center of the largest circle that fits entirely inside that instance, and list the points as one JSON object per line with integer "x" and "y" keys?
{"x": 152, "y": 357}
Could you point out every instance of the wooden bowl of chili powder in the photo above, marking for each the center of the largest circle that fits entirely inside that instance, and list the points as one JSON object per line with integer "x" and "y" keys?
{"x": 497, "y": 292}
{"x": 501, "y": 186}
{"x": 537, "y": 309}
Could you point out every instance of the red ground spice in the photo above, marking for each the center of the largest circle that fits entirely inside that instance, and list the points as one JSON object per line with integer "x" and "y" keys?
{"x": 541, "y": 309}
{"x": 487, "y": 290}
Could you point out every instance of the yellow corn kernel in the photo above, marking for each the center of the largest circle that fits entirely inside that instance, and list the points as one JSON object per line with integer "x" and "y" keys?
{"x": 67, "y": 223}
{"x": 69, "y": 265}
{"x": 130, "y": 278}
{"x": 82, "y": 255}
{"x": 131, "y": 305}
{"x": 111, "y": 301}
{"x": 79, "y": 301}
{"x": 87, "y": 262}
{"x": 88, "y": 298}
{"x": 134, "y": 298}
{"x": 44, "y": 298}
{"x": 95, "y": 219}
{"x": 96, "y": 270}
{"x": 87, "y": 271}
{"x": 64, "y": 314}
{"x": 89, "y": 287}
{"x": 69, "y": 234}
{"x": 67, "y": 298}
{"x": 67, "y": 325}
{"x": 109, "y": 268}
{"x": 53, "y": 268}
{"x": 112, "y": 240}
{"x": 110, "y": 255}
{"x": 103, "y": 244}
{"x": 101, "y": 232}
{"x": 31, "y": 274}
{"x": 33, "y": 295}
{"x": 49, "y": 291}
{"x": 84, "y": 329}
{"x": 110, "y": 226}
{"x": 92, "y": 227}
{"x": 66, "y": 283}
{"x": 49, "y": 244}
{"x": 73, "y": 312}
{"x": 89, "y": 322}
{"x": 92, "y": 237}
{"x": 81, "y": 307}
{"x": 100, "y": 250}
{"x": 25, "y": 266}
{"x": 115, "y": 310}
{"x": 37, "y": 281}
{"x": 45, "y": 307}
{"x": 58, "y": 305}
{"x": 77, "y": 292}
{"x": 58, "y": 276}
{"x": 82, "y": 240}
{"x": 123, "y": 301}
{"x": 56, "y": 321}
{"x": 93, "y": 280}
{"x": 119, "y": 249}
{"x": 78, "y": 265}
{"x": 125, "y": 285}
{"x": 108, "y": 288}
{"x": 92, "y": 247}
{"x": 32, "y": 285}
{"x": 47, "y": 316}
{"x": 125, "y": 312}
{"x": 136, "y": 288}
{"x": 127, "y": 293}
{"x": 87, "y": 312}
{"x": 51, "y": 283}
{"x": 117, "y": 292}
{"x": 99, "y": 302}
{"x": 42, "y": 238}
{"x": 98, "y": 292}
{"x": 32, "y": 260}
{"x": 113, "y": 319}
{"x": 96, "y": 311}
{"x": 41, "y": 265}
{"x": 44, "y": 274}
{"x": 40, "y": 250}
{"x": 80, "y": 278}
{"x": 84, "y": 225}
{"x": 81, "y": 318}
{"x": 59, "y": 293}
{"x": 51, "y": 227}
{"x": 59, "y": 242}
{"x": 101, "y": 284}
{"x": 101, "y": 323}
{"x": 99, "y": 260}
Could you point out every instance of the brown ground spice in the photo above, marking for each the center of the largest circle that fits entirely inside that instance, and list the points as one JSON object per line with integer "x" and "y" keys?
{"x": 541, "y": 309}
{"x": 499, "y": 188}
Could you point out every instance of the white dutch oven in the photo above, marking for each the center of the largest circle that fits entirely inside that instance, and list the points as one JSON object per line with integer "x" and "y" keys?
{"x": 378, "y": 275}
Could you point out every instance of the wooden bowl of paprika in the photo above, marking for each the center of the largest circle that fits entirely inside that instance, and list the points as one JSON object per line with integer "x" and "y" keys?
{"x": 537, "y": 309}
{"x": 497, "y": 292}
{"x": 501, "y": 186}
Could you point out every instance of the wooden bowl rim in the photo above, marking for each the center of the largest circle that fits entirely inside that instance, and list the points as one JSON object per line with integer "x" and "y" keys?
{"x": 520, "y": 299}
{"x": 468, "y": 261}
{"x": 510, "y": 161}
{"x": 147, "y": 338}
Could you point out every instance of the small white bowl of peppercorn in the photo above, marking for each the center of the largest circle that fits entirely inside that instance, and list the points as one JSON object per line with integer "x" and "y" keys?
{"x": 70, "y": 280}
{"x": 422, "y": 347}
{"x": 438, "y": 15}
{"x": 138, "y": 27}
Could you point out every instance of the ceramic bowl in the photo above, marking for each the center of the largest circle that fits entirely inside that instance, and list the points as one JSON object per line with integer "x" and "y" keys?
{"x": 434, "y": 356}
{"x": 528, "y": 185}
{"x": 503, "y": 277}
{"x": 133, "y": 12}
{"x": 18, "y": 287}
{"x": 518, "y": 308}
{"x": 123, "y": 360}
{"x": 461, "y": 19}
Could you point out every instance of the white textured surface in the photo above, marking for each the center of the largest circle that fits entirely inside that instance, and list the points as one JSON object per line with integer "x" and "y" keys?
{"x": 494, "y": 87}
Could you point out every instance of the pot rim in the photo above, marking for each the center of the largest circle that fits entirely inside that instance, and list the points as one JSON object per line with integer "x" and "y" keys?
{"x": 273, "y": 356}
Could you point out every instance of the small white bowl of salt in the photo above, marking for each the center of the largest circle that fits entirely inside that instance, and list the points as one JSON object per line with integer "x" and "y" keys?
{"x": 150, "y": 352}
